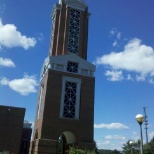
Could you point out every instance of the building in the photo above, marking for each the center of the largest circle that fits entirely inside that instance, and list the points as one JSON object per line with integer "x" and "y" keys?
{"x": 65, "y": 108}
{"x": 11, "y": 125}
{"x": 25, "y": 138}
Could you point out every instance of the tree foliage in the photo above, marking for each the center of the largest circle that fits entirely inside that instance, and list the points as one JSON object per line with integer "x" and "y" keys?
{"x": 73, "y": 150}
{"x": 5, "y": 152}
{"x": 135, "y": 147}
{"x": 104, "y": 151}
{"x": 149, "y": 147}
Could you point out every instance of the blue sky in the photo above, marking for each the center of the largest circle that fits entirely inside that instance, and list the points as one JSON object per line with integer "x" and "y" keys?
{"x": 120, "y": 44}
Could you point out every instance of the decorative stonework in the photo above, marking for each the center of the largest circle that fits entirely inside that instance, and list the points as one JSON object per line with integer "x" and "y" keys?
{"x": 60, "y": 63}
{"x": 76, "y": 4}
{"x": 53, "y": 16}
{"x": 56, "y": 7}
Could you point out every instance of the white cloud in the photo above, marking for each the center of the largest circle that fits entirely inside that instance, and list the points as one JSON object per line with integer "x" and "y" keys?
{"x": 151, "y": 135}
{"x": 114, "y": 75}
{"x": 114, "y": 43}
{"x": 0, "y": 48}
{"x": 118, "y": 126}
{"x": 113, "y": 31}
{"x": 6, "y": 62}
{"x": 117, "y": 36}
{"x": 103, "y": 142}
{"x": 134, "y": 133}
{"x": 136, "y": 57}
{"x": 109, "y": 145}
{"x": 10, "y": 37}
{"x": 40, "y": 36}
{"x": 140, "y": 77}
{"x": 151, "y": 81}
{"x": 4, "y": 81}
{"x": 24, "y": 86}
{"x": 129, "y": 77}
{"x": 115, "y": 137}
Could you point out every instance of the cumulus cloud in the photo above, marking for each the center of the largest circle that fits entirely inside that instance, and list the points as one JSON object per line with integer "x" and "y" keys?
{"x": 114, "y": 75}
{"x": 129, "y": 77}
{"x": 5, "y": 62}
{"x": 136, "y": 57}
{"x": 4, "y": 81}
{"x": 103, "y": 142}
{"x": 115, "y": 137}
{"x": 10, "y": 37}
{"x": 117, "y": 36}
{"x": 24, "y": 86}
{"x": 118, "y": 126}
{"x": 141, "y": 77}
{"x": 109, "y": 145}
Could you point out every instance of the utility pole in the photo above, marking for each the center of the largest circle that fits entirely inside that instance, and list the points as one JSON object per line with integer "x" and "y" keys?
{"x": 146, "y": 123}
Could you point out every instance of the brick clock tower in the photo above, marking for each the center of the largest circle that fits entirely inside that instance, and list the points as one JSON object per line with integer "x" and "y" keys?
{"x": 65, "y": 108}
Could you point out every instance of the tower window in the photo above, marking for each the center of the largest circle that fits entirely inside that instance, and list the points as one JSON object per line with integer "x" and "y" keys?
{"x": 72, "y": 67}
{"x": 52, "y": 32}
{"x": 74, "y": 30}
{"x": 40, "y": 101}
{"x": 70, "y": 100}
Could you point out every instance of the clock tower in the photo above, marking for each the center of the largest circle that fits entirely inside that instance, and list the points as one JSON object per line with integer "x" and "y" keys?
{"x": 65, "y": 107}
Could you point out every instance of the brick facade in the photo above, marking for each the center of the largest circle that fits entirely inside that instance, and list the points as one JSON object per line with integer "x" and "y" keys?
{"x": 54, "y": 132}
{"x": 50, "y": 125}
{"x": 11, "y": 125}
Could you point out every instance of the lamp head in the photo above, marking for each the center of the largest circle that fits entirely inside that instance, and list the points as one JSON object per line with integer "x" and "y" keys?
{"x": 131, "y": 142}
{"x": 140, "y": 118}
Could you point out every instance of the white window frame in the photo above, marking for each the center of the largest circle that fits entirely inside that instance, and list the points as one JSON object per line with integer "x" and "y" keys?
{"x": 78, "y": 90}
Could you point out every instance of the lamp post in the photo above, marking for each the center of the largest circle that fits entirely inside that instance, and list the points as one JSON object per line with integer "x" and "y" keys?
{"x": 140, "y": 120}
{"x": 131, "y": 145}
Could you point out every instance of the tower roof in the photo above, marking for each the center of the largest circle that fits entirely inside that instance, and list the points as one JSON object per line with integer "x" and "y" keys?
{"x": 82, "y": 1}
{"x": 77, "y": 4}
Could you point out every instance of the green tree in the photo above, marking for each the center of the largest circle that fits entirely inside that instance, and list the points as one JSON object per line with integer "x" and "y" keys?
{"x": 149, "y": 147}
{"x": 135, "y": 147}
{"x": 73, "y": 150}
{"x": 5, "y": 152}
{"x": 104, "y": 151}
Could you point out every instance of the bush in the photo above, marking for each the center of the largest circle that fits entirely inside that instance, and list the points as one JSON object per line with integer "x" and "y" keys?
{"x": 5, "y": 152}
{"x": 73, "y": 150}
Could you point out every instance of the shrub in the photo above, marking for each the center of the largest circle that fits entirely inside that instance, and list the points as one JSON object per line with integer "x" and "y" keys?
{"x": 5, "y": 152}
{"x": 73, "y": 150}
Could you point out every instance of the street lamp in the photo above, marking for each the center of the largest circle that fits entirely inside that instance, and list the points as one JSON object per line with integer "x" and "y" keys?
{"x": 140, "y": 120}
{"x": 131, "y": 145}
